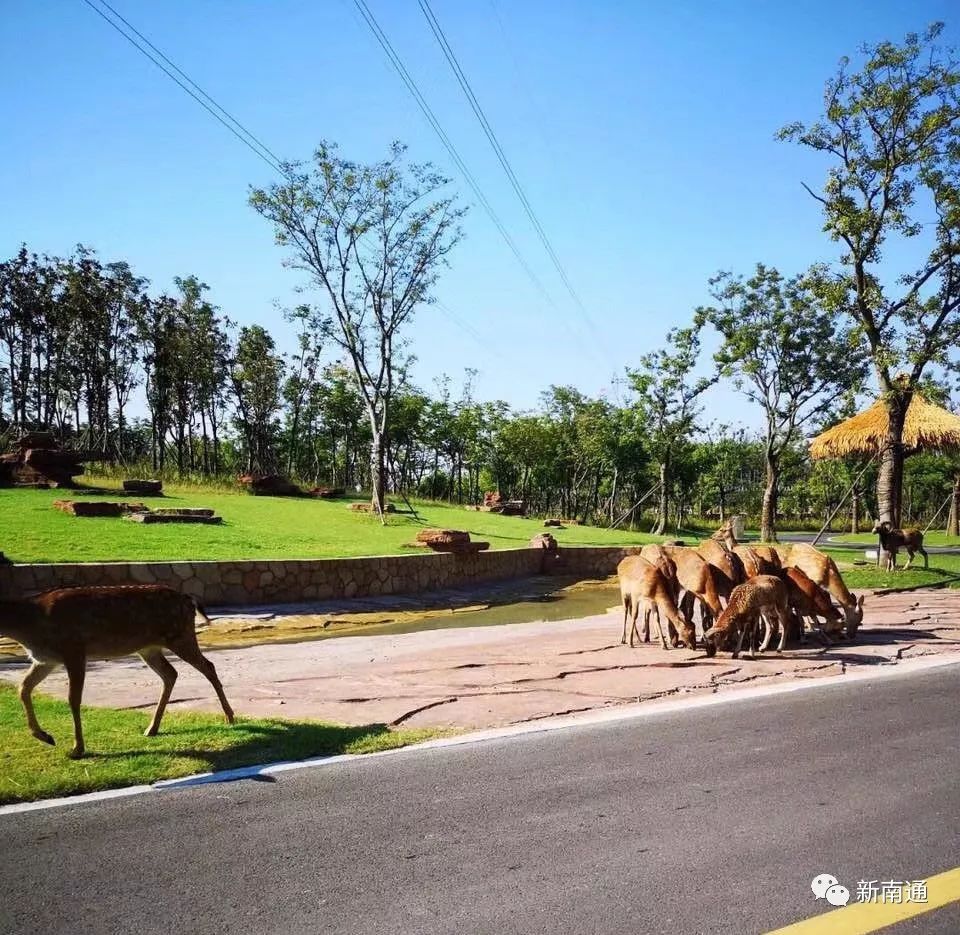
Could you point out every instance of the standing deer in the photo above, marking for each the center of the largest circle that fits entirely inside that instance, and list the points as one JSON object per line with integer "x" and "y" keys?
{"x": 892, "y": 540}
{"x": 69, "y": 626}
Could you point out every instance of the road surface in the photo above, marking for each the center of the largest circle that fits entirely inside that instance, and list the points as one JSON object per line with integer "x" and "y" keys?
{"x": 714, "y": 820}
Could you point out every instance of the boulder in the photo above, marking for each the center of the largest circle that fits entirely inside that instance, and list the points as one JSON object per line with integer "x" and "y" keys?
{"x": 143, "y": 487}
{"x": 492, "y": 498}
{"x": 544, "y": 540}
{"x": 327, "y": 493}
{"x": 368, "y": 508}
{"x": 449, "y": 540}
{"x": 269, "y": 485}
{"x": 514, "y": 508}
{"x": 555, "y": 523}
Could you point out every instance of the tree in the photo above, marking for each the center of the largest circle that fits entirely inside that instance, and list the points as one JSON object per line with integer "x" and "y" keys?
{"x": 373, "y": 238}
{"x": 786, "y": 354}
{"x": 892, "y": 134}
{"x": 667, "y": 391}
{"x": 256, "y": 375}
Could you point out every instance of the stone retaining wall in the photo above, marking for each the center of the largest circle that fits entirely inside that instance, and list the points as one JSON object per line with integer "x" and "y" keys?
{"x": 274, "y": 581}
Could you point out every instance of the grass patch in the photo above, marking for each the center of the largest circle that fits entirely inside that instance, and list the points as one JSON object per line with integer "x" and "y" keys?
{"x": 942, "y": 568}
{"x": 934, "y": 537}
{"x": 119, "y": 755}
{"x": 253, "y": 528}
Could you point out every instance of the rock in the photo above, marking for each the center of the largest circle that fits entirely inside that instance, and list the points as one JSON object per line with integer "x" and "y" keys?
{"x": 678, "y": 542}
{"x": 145, "y": 487}
{"x": 368, "y": 508}
{"x": 544, "y": 540}
{"x": 269, "y": 485}
{"x": 492, "y": 498}
{"x": 327, "y": 493}
{"x": 150, "y": 518}
{"x": 514, "y": 508}
{"x": 449, "y": 540}
{"x": 555, "y": 523}
{"x": 94, "y": 508}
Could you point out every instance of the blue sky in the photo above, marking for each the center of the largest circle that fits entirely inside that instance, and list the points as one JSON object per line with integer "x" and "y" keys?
{"x": 641, "y": 132}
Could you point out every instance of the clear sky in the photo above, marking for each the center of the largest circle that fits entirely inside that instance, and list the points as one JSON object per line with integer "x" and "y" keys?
{"x": 642, "y": 133}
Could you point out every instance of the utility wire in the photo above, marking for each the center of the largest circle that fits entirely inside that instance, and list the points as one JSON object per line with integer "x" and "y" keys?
{"x": 465, "y": 86}
{"x": 427, "y": 111}
{"x": 241, "y": 134}
{"x": 233, "y": 120}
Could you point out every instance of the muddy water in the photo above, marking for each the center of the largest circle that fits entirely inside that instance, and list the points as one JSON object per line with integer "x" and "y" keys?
{"x": 518, "y": 602}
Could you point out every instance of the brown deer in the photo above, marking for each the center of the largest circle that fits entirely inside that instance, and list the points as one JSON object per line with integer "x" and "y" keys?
{"x": 727, "y": 566}
{"x": 808, "y": 600}
{"x": 822, "y": 570}
{"x": 644, "y": 586}
{"x": 764, "y": 594}
{"x": 70, "y": 626}
{"x": 892, "y": 540}
{"x": 696, "y": 579}
{"x": 758, "y": 560}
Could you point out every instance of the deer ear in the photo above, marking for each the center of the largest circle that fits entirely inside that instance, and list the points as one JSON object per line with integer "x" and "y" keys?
{"x": 860, "y": 602}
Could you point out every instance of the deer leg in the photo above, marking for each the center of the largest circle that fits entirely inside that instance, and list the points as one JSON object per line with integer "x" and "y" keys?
{"x": 191, "y": 655}
{"x": 784, "y": 620}
{"x": 910, "y": 554}
{"x": 645, "y": 634}
{"x": 660, "y": 628}
{"x": 76, "y": 672}
{"x": 923, "y": 552}
{"x": 168, "y": 674}
{"x": 626, "y": 614}
{"x": 35, "y": 675}
{"x": 768, "y": 633}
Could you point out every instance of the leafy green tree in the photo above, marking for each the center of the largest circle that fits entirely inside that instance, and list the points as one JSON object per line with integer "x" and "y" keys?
{"x": 786, "y": 355}
{"x": 373, "y": 239}
{"x": 666, "y": 391}
{"x": 256, "y": 374}
{"x": 891, "y": 134}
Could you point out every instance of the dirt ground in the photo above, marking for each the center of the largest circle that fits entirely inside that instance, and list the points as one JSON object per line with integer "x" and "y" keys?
{"x": 494, "y": 676}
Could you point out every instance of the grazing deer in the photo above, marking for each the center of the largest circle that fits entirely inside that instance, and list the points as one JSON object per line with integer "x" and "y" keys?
{"x": 892, "y": 540}
{"x": 644, "y": 586}
{"x": 822, "y": 570}
{"x": 758, "y": 560}
{"x": 727, "y": 566}
{"x": 764, "y": 594}
{"x": 69, "y": 626}
{"x": 697, "y": 580}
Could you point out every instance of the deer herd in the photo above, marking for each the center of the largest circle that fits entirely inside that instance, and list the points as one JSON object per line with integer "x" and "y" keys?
{"x": 738, "y": 589}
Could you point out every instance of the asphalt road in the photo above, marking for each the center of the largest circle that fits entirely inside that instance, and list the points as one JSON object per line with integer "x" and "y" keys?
{"x": 714, "y": 820}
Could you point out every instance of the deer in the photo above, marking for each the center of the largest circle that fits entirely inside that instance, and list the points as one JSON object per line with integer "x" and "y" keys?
{"x": 758, "y": 560}
{"x": 644, "y": 586}
{"x": 69, "y": 626}
{"x": 763, "y": 594}
{"x": 822, "y": 570}
{"x": 892, "y": 540}
{"x": 727, "y": 565}
{"x": 808, "y": 600}
{"x": 696, "y": 579}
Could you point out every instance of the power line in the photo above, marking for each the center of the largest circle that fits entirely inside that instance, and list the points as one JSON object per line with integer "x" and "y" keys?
{"x": 263, "y": 146}
{"x": 427, "y": 111}
{"x": 465, "y": 86}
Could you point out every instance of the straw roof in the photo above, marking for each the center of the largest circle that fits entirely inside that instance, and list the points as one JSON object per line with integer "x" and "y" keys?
{"x": 926, "y": 426}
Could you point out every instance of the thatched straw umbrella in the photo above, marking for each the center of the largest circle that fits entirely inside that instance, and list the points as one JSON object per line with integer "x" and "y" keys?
{"x": 926, "y": 426}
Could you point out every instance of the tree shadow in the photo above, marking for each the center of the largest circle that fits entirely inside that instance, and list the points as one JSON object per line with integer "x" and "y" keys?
{"x": 264, "y": 742}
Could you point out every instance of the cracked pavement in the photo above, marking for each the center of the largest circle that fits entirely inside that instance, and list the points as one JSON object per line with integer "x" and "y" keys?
{"x": 477, "y": 677}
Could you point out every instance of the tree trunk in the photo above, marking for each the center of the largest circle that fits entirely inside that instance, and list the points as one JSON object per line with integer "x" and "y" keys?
{"x": 855, "y": 510}
{"x": 890, "y": 477}
{"x": 661, "y": 526}
{"x": 377, "y": 473}
{"x": 768, "y": 513}
{"x": 953, "y": 523}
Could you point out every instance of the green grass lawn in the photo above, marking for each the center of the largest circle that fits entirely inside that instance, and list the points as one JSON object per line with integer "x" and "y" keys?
{"x": 253, "y": 528}
{"x": 934, "y": 537}
{"x": 942, "y": 568}
{"x": 119, "y": 755}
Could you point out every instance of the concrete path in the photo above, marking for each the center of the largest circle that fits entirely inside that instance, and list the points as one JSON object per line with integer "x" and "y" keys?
{"x": 497, "y": 676}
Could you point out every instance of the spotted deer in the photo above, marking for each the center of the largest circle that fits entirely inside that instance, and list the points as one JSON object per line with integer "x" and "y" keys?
{"x": 763, "y": 594}
{"x": 70, "y": 626}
